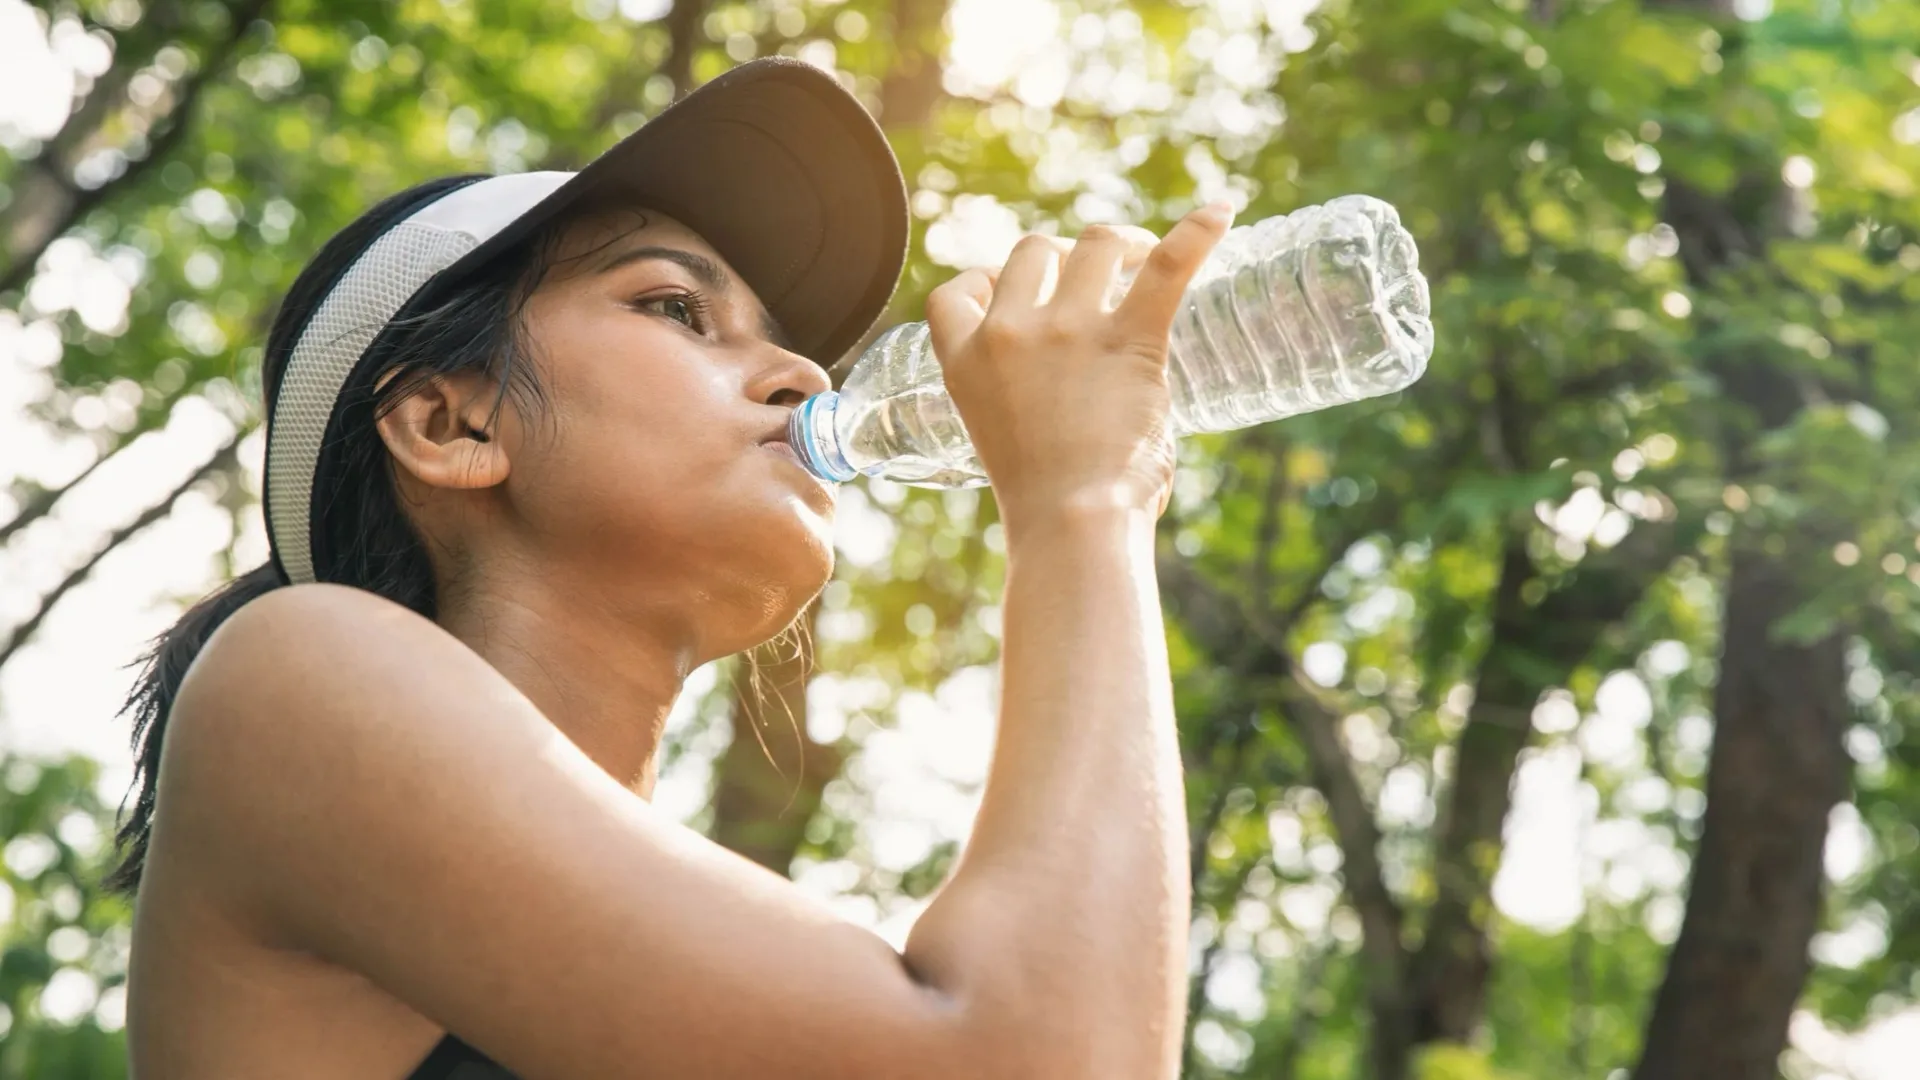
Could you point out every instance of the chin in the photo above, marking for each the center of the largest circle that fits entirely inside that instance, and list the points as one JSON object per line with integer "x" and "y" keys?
{"x": 804, "y": 568}
{"x": 790, "y": 565}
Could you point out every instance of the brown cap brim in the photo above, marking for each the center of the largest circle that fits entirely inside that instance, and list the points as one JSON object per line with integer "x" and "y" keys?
{"x": 784, "y": 173}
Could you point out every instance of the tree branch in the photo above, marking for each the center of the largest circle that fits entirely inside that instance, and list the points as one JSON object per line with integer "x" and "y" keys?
{"x": 1532, "y": 648}
{"x": 1213, "y": 619}
{"x": 1240, "y": 721}
{"x": 224, "y": 459}
{"x": 1358, "y": 834}
{"x": 132, "y": 50}
{"x": 1306, "y": 1015}
{"x": 1778, "y": 766}
{"x": 1209, "y": 958}
{"x": 43, "y": 503}
{"x": 1352, "y": 815}
{"x": 683, "y": 27}
{"x": 1222, "y": 624}
{"x": 65, "y": 204}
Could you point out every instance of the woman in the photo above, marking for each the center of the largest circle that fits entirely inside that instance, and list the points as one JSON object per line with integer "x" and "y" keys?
{"x": 525, "y": 472}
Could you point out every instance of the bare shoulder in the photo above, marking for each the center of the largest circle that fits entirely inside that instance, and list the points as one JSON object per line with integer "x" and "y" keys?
{"x": 307, "y": 666}
{"x": 315, "y": 706}
{"x": 306, "y": 638}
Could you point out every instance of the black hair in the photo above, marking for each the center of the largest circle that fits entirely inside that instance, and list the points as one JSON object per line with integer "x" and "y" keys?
{"x": 360, "y": 534}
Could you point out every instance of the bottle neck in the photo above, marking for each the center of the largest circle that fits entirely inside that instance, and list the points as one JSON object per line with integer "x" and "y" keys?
{"x": 812, "y": 434}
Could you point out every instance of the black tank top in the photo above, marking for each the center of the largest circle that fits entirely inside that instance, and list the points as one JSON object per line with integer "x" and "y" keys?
{"x": 455, "y": 1060}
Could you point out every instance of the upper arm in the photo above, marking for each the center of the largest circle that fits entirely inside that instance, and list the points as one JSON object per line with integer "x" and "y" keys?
{"x": 357, "y": 784}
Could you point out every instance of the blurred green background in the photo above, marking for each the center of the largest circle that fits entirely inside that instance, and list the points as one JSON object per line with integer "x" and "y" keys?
{"x": 1551, "y": 719}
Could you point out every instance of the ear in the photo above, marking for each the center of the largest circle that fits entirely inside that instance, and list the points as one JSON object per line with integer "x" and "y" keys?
{"x": 438, "y": 433}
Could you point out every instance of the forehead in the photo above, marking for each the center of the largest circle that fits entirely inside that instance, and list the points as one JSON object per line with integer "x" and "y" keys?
{"x": 591, "y": 238}
{"x": 598, "y": 240}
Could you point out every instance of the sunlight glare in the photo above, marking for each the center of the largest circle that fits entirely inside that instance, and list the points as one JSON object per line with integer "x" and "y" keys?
{"x": 36, "y": 86}
{"x": 995, "y": 40}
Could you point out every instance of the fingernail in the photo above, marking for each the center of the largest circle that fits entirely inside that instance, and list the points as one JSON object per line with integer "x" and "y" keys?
{"x": 1220, "y": 208}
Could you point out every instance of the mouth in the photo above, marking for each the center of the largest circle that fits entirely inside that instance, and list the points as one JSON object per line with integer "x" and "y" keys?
{"x": 781, "y": 448}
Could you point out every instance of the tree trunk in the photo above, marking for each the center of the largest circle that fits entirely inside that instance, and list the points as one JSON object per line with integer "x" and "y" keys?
{"x": 1779, "y": 762}
{"x": 1778, "y": 767}
{"x": 1450, "y": 971}
{"x": 1532, "y": 649}
{"x": 912, "y": 87}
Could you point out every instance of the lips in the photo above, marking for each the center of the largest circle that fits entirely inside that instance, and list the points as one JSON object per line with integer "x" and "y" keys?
{"x": 777, "y": 440}
{"x": 780, "y": 446}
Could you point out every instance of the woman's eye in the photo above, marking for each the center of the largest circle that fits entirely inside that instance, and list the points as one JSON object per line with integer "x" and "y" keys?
{"x": 678, "y": 308}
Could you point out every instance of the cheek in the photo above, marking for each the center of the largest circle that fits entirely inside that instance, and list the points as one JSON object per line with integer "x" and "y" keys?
{"x": 623, "y": 387}
{"x": 627, "y": 428}
{"x": 647, "y": 445}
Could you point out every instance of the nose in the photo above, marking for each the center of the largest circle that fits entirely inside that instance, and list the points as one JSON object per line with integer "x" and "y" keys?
{"x": 786, "y": 378}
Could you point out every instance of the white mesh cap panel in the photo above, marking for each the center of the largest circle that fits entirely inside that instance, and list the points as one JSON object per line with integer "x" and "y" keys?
{"x": 485, "y": 207}
{"x": 366, "y": 298}
{"x": 383, "y": 279}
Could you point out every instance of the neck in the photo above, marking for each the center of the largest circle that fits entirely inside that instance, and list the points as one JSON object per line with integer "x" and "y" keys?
{"x": 605, "y": 679}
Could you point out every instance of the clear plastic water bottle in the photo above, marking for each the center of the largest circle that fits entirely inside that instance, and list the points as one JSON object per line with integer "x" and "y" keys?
{"x": 1289, "y": 315}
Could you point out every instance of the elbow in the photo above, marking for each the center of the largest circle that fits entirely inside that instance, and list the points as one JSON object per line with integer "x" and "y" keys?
{"x": 1032, "y": 1040}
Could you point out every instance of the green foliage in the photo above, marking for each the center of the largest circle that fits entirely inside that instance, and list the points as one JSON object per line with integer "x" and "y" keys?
{"x": 63, "y": 961}
{"x": 1578, "y": 406}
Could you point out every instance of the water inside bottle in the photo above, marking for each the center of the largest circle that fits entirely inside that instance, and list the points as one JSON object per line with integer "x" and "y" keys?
{"x": 1290, "y": 315}
{"x": 917, "y": 435}
{"x": 894, "y": 414}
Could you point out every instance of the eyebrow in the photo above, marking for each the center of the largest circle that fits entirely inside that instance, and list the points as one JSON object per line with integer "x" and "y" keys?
{"x": 710, "y": 274}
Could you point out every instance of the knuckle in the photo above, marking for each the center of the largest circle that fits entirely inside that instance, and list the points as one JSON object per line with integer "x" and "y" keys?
{"x": 1086, "y": 325}
{"x": 1059, "y": 331}
{"x": 1166, "y": 259}
{"x": 1033, "y": 243}
{"x": 1000, "y": 332}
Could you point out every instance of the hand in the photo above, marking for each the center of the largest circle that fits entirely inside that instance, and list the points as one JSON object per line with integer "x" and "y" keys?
{"x": 1065, "y": 397}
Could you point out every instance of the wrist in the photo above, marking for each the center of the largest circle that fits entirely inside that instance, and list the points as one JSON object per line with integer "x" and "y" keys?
{"x": 1093, "y": 515}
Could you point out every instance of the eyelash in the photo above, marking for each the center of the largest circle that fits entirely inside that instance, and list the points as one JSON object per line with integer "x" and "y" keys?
{"x": 697, "y": 308}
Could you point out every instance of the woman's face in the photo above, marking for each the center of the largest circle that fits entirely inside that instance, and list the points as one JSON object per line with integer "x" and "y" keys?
{"x": 655, "y": 476}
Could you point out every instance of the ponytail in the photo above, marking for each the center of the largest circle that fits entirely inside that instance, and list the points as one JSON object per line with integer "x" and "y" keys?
{"x": 163, "y": 669}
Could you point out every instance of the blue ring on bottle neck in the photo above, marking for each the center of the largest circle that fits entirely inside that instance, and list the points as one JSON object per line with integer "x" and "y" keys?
{"x": 810, "y": 431}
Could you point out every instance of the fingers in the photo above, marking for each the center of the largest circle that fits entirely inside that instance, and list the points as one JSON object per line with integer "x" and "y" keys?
{"x": 1097, "y": 256}
{"x": 1030, "y": 273}
{"x": 955, "y": 308}
{"x": 1043, "y": 269}
{"x": 1157, "y": 294}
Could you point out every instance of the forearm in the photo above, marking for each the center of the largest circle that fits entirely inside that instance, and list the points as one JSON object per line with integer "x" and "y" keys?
{"x": 1070, "y": 906}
